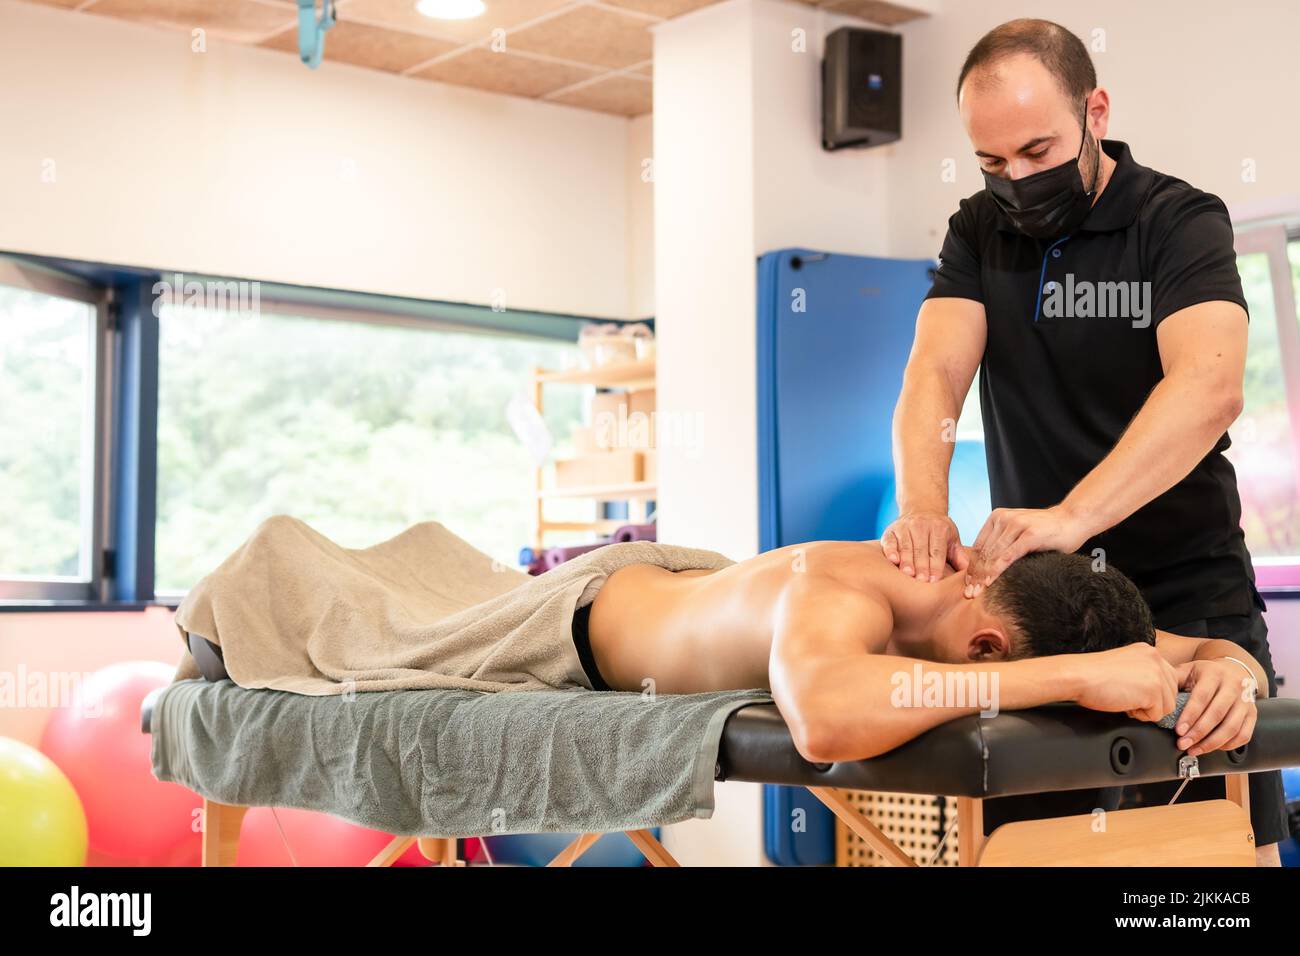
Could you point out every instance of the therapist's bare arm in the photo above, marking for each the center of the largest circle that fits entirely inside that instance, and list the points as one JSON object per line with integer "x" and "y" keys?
{"x": 1203, "y": 355}
{"x": 946, "y": 352}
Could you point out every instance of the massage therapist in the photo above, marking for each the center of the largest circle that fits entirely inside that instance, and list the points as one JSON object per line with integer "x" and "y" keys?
{"x": 1101, "y": 303}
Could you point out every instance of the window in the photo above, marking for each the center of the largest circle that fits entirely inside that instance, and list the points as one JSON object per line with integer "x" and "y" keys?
{"x": 51, "y": 420}
{"x": 1266, "y": 438}
{"x": 358, "y": 427}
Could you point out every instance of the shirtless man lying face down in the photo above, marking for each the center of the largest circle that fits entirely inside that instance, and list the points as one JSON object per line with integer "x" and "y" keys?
{"x": 828, "y": 625}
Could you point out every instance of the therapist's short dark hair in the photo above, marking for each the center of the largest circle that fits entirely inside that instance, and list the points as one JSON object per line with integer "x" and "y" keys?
{"x": 1061, "y": 604}
{"x": 1059, "y": 50}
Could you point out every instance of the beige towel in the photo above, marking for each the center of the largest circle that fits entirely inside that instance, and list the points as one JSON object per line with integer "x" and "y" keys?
{"x": 292, "y": 610}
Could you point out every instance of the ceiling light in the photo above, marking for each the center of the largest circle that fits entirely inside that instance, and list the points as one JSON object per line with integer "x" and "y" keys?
{"x": 451, "y": 9}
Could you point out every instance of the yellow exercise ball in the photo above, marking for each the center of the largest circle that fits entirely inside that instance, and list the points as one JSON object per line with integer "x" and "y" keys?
{"x": 41, "y": 819}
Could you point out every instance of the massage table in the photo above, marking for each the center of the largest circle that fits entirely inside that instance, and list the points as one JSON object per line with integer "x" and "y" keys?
{"x": 1056, "y": 747}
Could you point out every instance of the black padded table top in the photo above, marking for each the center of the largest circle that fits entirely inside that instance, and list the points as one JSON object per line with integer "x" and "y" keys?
{"x": 1057, "y": 747}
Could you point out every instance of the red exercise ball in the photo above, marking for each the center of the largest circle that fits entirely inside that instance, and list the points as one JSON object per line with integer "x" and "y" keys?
{"x": 317, "y": 839}
{"x": 97, "y": 741}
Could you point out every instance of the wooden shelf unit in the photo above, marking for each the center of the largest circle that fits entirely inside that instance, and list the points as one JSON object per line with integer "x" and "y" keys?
{"x": 630, "y": 376}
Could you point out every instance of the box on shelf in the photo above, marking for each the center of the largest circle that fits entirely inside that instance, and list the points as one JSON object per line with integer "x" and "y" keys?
{"x": 584, "y": 440}
{"x": 642, "y": 400}
{"x": 618, "y": 467}
{"x": 624, "y": 419}
{"x": 606, "y": 403}
{"x": 650, "y": 465}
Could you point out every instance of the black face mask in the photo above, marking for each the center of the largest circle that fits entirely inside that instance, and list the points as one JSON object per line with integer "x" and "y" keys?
{"x": 1048, "y": 204}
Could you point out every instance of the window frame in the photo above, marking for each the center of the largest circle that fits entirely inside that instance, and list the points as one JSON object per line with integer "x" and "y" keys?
{"x": 89, "y": 587}
{"x": 1272, "y": 238}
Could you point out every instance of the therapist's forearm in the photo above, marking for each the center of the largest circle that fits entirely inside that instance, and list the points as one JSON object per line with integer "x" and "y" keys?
{"x": 922, "y": 443}
{"x": 1176, "y": 427}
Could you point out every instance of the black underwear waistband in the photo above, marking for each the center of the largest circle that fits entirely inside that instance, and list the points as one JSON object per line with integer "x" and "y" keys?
{"x": 582, "y": 641}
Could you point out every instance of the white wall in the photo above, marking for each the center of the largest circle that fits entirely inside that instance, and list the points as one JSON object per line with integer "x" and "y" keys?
{"x": 639, "y": 167}
{"x": 704, "y": 275}
{"x": 241, "y": 161}
{"x": 1197, "y": 88}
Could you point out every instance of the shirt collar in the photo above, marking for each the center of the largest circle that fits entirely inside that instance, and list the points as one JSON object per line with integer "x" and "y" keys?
{"x": 1122, "y": 197}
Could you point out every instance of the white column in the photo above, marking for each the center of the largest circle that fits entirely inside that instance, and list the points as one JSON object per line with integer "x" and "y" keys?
{"x": 705, "y": 278}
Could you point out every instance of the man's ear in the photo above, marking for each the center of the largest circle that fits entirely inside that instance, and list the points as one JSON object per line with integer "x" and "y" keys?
{"x": 988, "y": 644}
{"x": 1099, "y": 112}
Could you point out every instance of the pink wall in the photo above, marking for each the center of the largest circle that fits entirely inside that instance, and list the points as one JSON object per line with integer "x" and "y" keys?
{"x": 77, "y": 642}
{"x": 1284, "y": 640}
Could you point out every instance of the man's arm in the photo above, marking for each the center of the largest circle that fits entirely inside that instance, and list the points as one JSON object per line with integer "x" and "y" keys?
{"x": 1220, "y": 712}
{"x": 836, "y": 690}
{"x": 1203, "y": 353}
{"x": 947, "y": 349}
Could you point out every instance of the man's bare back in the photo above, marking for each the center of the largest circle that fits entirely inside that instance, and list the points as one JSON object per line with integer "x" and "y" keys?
{"x": 694, "y": 631}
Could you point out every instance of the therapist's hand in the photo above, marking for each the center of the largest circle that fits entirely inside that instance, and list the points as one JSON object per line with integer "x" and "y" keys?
{"x": 1011, "y": 533}
{"x": 923, "y": 543}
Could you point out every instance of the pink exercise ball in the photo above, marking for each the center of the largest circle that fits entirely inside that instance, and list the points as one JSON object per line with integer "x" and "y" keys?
{"x": 97, "y": 741}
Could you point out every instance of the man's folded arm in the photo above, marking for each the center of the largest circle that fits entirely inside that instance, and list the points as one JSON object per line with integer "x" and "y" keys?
{"x": 837, "y": 692}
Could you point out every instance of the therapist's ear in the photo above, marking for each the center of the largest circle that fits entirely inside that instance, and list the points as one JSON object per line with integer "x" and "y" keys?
{"x": 988, "y": 644}
{"x": 1099, "y": 112}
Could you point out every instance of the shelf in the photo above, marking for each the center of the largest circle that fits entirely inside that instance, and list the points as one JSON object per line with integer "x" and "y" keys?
{"x": 599, "y": 526}
{"x": 633, "y": 490}
{"x": 629, "y": 375}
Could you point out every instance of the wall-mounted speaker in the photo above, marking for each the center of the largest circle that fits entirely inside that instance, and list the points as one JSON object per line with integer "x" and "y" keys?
{"x": 862, "y": 88}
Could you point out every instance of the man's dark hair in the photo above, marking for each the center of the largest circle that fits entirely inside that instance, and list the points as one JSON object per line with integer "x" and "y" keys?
{"x": 1059, "y": 50}
{"x": 1061, "y": 605}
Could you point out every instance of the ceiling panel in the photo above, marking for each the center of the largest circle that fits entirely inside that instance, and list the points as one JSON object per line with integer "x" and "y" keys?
{"x": 363, "y": 45}
{"x": 242, "y": 20}
{"x": 588, "y": 34}
{"x": 505, "y": 73}
{"x": 503, "y": 14}
{"x": 663, "y": 9}
{"x": 592, "y": 54}
{"x": 624, "y": 95}
{"x": 874, "y": 11}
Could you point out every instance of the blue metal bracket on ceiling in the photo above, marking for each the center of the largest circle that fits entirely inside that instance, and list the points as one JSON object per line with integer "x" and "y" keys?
{"x": 311, "y": 30}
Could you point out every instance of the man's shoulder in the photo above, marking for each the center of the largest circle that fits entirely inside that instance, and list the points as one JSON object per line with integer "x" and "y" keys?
{"x": 836, "y": 564}
{"x": 976, "y": 216}
{"x": 1170, "y": 201}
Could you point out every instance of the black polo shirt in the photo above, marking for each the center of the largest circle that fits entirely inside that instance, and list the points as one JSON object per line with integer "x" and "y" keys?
{"x": 1069, "y": 362}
